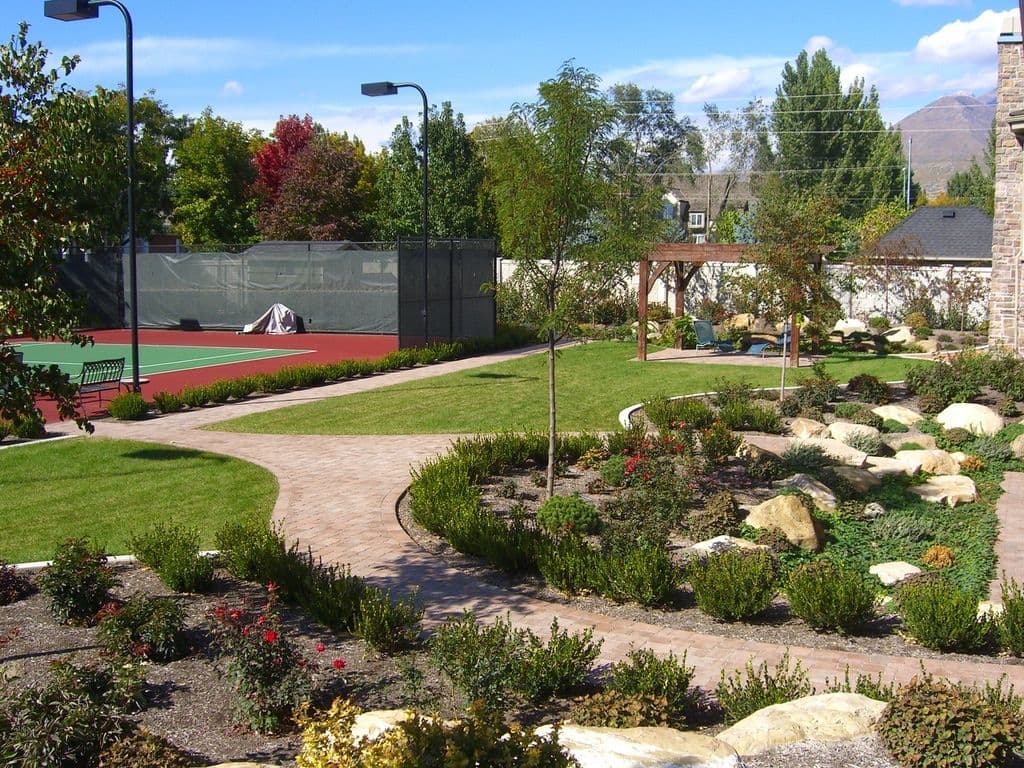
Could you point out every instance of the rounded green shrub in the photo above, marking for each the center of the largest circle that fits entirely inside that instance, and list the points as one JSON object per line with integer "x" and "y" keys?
{"x": 144, "y": 628}
{"x": 142, "y": 749}
{"x": 1007, "y": 408}
{"x": 868, "y": 443}
{"x": 168, "y": 402}
{"x": 931, "y": 402}
{"x": 892, "y": 426}
{"x": 992, "y": 449}
{"x": 943, "y": 617}
{"x": 830, "y": 597}
{"x": 916, "y": 320}
{"x": 870, "y": 388}
{"x": 766, "y": 466}
{"x": 613, "y": 471}
{"x": 568, "y": 513}
{"x": 868, "y": 418}
{"x": 848, "y": 410}
{"x": 933, "y": 724}
{"x": 642, "y": 673}
{"x": 77, "y": 581}
{"x": 733, "y": 585}
{"x": 957, "y": 436}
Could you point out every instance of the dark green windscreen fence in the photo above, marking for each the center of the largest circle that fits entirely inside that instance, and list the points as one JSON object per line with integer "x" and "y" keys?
{"x": 332, "y": 286}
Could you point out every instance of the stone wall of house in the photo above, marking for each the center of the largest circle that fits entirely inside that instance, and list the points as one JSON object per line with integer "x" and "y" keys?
{"x": 1005, "y": 323}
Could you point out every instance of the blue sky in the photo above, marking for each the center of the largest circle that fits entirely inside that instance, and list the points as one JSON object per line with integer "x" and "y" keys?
{"x": 310, "y": 56}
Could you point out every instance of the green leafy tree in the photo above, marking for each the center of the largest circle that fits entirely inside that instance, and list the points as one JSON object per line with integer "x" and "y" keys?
{"x": 559, "y": 209}
{"x": 44, "y": 135}
{"x": 833, "y": 141}
{"x": 458, "y": 206}
{"x": 977, "y": 185}
{"x": 791, "y": 230}
{"x": 212, "y": 187}
{"x": 734, "y": 144}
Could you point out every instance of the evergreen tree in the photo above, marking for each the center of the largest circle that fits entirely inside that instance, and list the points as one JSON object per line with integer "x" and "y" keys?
{"x": 977, "y": 185}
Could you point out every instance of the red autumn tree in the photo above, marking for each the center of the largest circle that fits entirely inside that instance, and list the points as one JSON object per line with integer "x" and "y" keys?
{"x": 290, "y": 136}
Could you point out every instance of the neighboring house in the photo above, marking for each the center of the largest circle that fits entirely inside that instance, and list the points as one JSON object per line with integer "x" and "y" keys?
{"x": 705, "y": 197}
{"x": 957, "y": 235}
{"x": 1006, "y": 300}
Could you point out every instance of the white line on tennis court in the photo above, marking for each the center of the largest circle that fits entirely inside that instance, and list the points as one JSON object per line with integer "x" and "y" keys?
{"x": 240, "y": 355}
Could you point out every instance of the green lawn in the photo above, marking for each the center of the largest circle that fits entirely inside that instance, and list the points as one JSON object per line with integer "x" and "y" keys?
{"x": 112, "y": 490}
{"x": 595, "y": 381}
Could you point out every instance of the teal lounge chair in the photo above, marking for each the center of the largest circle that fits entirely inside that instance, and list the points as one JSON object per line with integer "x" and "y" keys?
{"x": 762, "y": 348}
{"x": 706, "y": 337}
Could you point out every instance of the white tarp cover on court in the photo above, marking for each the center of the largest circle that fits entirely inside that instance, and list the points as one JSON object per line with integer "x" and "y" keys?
{"x": 277, "y": 319}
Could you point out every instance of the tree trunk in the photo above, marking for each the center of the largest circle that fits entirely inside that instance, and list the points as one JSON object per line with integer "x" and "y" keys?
{"x": 552, "y": 434}
{"x": 794, "y": 341}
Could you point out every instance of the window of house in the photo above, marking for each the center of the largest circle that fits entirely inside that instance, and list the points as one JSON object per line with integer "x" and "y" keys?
{"x": 699, "y": 239}
{"x": 697, "y": 220}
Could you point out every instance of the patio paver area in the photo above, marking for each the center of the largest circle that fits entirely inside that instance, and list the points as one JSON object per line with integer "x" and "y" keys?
{"x": 338, "y": 495}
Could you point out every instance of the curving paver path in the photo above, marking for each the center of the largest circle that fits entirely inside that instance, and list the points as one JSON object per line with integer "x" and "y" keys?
{"x": 338, "y": 495}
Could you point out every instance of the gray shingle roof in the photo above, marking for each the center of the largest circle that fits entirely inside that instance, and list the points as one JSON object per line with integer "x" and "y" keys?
{"x": 946, "y": 233}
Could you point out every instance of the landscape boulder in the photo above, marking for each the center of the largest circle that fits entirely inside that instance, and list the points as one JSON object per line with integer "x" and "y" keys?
{"x": 860, "y": 479}
{"x": 823, "y": 717}
{"x": 934, "y": 462}
{"x": 802, "y": 428}
{"x": 894, "y": 571}
{"x": 900, "y": 334}
{"x": 789, "y": 515}
{"x": 896, "y": 441}
{"x": 372, "y": 725}
{"x": 722, "y": 543}
{"x": 843, "y": 431}
{"x": 883, "y": 466}
{"x": 817, "y": 490}
{"x": 848, "y": 325}
{"x": 642, "y": 747}
{"x": 974, "y": 417}
{"x": 1017, "y": 446}
{"x": 906, "y": 416}
{"x": 951, "y": 489}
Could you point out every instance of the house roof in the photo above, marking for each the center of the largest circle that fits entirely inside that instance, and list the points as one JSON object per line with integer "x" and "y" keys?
{"x": 955, "y": 233}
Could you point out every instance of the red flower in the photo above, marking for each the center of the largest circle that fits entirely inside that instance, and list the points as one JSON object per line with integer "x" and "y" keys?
{"x": 245, "y": 631}
{"x": 270, "y": 635}
{"x": 338, "y": 663}
{"x": 234, "y": 613}
{"x": 271, "y": 587}
{"x": 320, "y": 647}
{"x": 261, "y": 620}
{"x": 219, "y": 612}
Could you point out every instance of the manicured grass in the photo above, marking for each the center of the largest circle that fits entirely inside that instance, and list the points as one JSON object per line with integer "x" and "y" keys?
{"x": 112, "y": 490}
{"x": 595, "y": 381}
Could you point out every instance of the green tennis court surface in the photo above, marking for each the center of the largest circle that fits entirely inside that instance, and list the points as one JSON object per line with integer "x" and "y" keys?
{"x": 152, "y": 358}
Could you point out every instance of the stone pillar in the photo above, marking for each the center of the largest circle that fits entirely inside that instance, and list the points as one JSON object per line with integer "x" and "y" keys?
{"x": 1005, "y": 304}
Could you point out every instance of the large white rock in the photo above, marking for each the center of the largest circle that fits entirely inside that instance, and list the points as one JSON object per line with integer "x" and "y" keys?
{"x": 951, "y": 489}
{"x": 900, "y": 334}
{"x": 778, "y": 445}
{"x": 928, "y": 346}
{"x": 848, "y": 325}
{"x": 721, "y": 543}
{"x": 843, "y": 431}
{"x": 934, "y": 462}
{"x": 883, "y": 466}
{"x": 974, "y": 417}
{"x": 838, "y": 450}
{"x": 642, "y": 747}
{"x": 817, "y": 490}
{"x": 860, "y": 479}
{"x": 894, "y": 571}
{"x": 824, "y": 717}
{"x": 801, "y": 427}
{"x": 905, "y": 416}
{"x": 1017, "y": 446}
{"x": 790, "y": 516}
{"x": 372, "y": 725}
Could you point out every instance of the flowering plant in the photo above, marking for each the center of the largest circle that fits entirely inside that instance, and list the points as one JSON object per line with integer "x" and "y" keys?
{"x": 269, "y": 672}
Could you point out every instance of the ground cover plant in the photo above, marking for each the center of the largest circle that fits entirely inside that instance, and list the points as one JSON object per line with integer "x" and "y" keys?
{"x": 595, "y": 381}
{"x": 55, "y": 490}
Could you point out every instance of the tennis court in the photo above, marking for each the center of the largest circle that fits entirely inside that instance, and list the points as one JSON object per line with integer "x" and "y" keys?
{"x": 153, "y": 358}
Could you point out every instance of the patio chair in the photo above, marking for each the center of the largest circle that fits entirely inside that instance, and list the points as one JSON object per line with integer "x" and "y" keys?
{"x": 763, "y": 348}
{"x": 706, "y": 337}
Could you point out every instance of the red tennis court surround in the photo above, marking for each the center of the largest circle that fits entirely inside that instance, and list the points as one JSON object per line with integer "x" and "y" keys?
{"x": 311, "y": 348}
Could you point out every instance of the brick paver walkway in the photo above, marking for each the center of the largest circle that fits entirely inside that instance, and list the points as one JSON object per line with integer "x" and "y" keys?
{"x": 338, "y": 495}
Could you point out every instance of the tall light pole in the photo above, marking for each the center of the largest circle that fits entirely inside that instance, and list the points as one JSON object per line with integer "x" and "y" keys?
{"x": 390, "y": 89}
{"x": 77, "y": 10}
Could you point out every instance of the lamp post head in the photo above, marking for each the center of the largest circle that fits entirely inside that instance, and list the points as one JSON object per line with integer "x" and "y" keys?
{"x": 372, "y": 89}
{"x": 70, "y": 10}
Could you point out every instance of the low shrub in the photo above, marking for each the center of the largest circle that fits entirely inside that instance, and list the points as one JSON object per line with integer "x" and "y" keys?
{"x": 558, "y": 666}
{"x": 568, "y": 514}
{"x": 991, "y": 449}
{"x": 1010, "y": 623}
{"x": 389, "y": 625}
{"x": 665, "y": 413}
{"x": 806, "y": 457}
{"x": 848, "y": 410}
{"x": 14, "y": 585}
{"x": 916, "y": 320}
{"x": 866, "y": 442}
{"x": 1007, "y": 408}
{"x": 479, "y": 738}
{"x": 616, "y": 709}
{"x": 830, "y": 597}
{"x": 142, "y": 749}
{"x": 250, "y": 550}
{"x": 78, "y": 582}
{"x": 173, "y": 552}
{"x": 942, "y": 617}
{"x": 720, "y": 517}
{"x": 639, "y": 571}
{"x": 972, "y": 464}
{"x": 717, "y": 444}
{"x": 167, "y": 402}
{"x": 818, "y": 389}
{"x": 569, "y": 564}
{"x": 130, "y": 406}
{"x": 894, "y": 427}
{"x": 733, "y": 585}
{"x": 957, "y": 437}
{"x": 766, "y": 466}
{"x": 28, "y": 426}
{"x": 931, "y": 403}
{"x": 743, "y": 693}
{"x": 69, "y": 721}
{"x": 220, "y": 390}
{"x": 870, "y": 388}
{"x": 938, "y": 556}
{"x": 743, "y": 415}
{"x": 244, "y": 386}
{"x": 868, "y": 418}
{"x": 865, "y": 685}
{"x": 145, "y": 628}
{"x": 934, "y": 724}
{"x": 642, "y": 673}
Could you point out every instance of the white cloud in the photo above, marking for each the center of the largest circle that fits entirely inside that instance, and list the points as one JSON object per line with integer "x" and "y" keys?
{"x": 726, "y": 82}
{"x": 232, "y": 88}
{"x": 963, "y": 40}
{"x": 819, "y": 42}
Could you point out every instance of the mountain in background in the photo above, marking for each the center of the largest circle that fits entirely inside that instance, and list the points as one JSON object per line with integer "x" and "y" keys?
{"x": 946, "y": 135}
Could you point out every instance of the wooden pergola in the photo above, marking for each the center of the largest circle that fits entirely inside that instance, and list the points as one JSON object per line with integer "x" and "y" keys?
{"x": 686, "y": 259}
